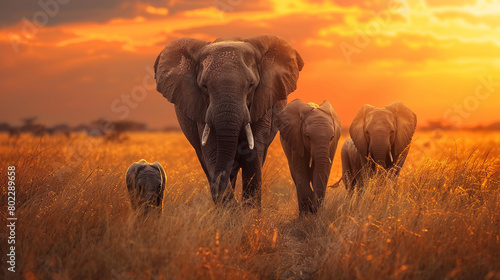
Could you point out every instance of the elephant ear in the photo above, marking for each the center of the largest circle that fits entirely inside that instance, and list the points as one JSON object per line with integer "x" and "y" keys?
{"x": 406, "y": 123}
{"x": 289, "y": 123}
{"x": 279, "y": 66}
{"x": 176, "y": 77}
{"x": 158, "y": 166}
{"x": 327, "y": 108}
{"x": 357, "y": 130}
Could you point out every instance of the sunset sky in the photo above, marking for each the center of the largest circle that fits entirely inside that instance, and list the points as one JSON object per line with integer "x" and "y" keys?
{"x": 76, "y": 61}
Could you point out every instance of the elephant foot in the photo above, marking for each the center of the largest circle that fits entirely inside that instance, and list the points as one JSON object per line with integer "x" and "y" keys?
{"x": 308, "y": 207}
{"x": 226, "y": 199}
{"x": 253, "y": 203}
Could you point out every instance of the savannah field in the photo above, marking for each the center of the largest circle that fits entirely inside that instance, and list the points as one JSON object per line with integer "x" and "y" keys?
{"x": 441, "y": 220}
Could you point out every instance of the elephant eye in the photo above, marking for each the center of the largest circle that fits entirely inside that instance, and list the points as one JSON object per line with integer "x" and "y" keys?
{"x": 204, "y": 87}
{"x": 251, "y": 86}
{"x": 331, "y": 139}
{"x": 308, "y": 137}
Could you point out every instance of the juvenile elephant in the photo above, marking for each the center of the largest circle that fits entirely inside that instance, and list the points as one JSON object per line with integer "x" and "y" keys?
{"x": 226, "y": 95}
{"x": 378, "y": 135}
{"x": 309, "y": 136}
{"x": 145, "y": 184}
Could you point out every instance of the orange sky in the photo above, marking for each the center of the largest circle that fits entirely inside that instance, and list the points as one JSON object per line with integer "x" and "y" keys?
{"x": 75, "y": 62}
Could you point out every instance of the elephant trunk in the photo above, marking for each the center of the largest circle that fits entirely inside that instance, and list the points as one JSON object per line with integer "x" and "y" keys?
{"x": 321, "y": 172}
{"x": 228, "y": 125}
{"x": 149, "y": 181}
{"x": 149, "y": 201}
{"x": 382, "y": 154}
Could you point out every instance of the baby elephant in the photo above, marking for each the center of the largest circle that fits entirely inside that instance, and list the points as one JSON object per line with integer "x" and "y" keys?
{"x": 146, "y": 183}
{"x": 309, "y": 135}
{"x": 378, "y": 135}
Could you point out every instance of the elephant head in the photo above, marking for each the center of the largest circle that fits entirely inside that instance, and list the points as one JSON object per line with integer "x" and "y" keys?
{"x": 310, "y": 133}
{"x": 146, "y": 183}
{"x": 383, "y": 134}
{"x": 225, "y": 86}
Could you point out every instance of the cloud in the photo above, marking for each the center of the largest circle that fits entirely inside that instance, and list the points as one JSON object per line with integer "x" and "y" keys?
{"x": 156, "y": 11}
{"x": 63, "y": 11}
{"x": 59, "y": 12}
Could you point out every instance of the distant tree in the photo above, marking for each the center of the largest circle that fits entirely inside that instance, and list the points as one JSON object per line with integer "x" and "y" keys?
{"x": 120, "y": 127}
{"x": 28, "y": 123}
{"x": 129, "y": 126}
{"x": 114, "y": 130}
{"x": 171, "y": 128}
{"x": 438, "y": 124}
{"x": 494, "y": 126}
{"x": 81, "y": 128}
{"x": 60, "y": 129}
{"x": 30, "y": 126}
{"x": 5, "y": 127}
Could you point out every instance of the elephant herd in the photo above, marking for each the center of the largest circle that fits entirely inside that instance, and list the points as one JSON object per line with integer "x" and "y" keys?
{"x": 230, "y": 98}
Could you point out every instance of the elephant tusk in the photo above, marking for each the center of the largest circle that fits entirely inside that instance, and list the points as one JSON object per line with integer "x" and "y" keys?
{"x": 311, "y": 162}
{"x": 369, "y": 155}
{"x": 392, "y": 159}
{"x": 206, "y": 132}
{"x": 330, "y": 160}
{"x": 217, "y": 184}
{"x": 248, "y": 130}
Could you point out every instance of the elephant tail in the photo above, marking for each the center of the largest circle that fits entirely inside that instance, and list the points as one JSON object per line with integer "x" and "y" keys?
{"x": 337, "y": 184}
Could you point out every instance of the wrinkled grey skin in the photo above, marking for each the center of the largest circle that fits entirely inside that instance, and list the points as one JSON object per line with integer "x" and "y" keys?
{"x": 146, "y": 183}
{"x": 309, "y": 136}
{"x": 222, "y": 87}
{"x": 379, "y": 136}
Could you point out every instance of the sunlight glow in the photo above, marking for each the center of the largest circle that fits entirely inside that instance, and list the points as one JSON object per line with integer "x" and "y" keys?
{"x": 157, "y": 11}
{"x": 408, "y": 50}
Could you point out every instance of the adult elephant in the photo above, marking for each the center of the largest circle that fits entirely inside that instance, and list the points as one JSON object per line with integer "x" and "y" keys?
{"x": 226, "y": 95}
{"x": 378, "y": 135}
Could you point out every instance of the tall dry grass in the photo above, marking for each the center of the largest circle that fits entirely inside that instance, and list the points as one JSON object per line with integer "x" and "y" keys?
{"x": 441, "y": 220}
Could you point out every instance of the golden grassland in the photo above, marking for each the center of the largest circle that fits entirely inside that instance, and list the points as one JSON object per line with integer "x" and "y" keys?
{"x": 441, "y": 220}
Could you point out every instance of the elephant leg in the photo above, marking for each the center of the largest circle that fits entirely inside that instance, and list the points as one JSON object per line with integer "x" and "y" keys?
{"x": 360, "y": 169}
{"x": 306, "y": 198}
{"x": 190, "y": 130}
{"x": 401, "y": 161}
{"x": 262, "y": 133}
{"x": 251, "y": 161}
{"x": 353, "y": 166}
{"x": 305, "y": 195}
{"x": 347, "y": 168}
{"x": 251, "y": 174}
{"x": 265, "y": 129}
{"x": 301, "y": 175}
{"x": 273, "y": 116}
{"x": 348, "y": 180}
{"x": 393, "y": 172}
